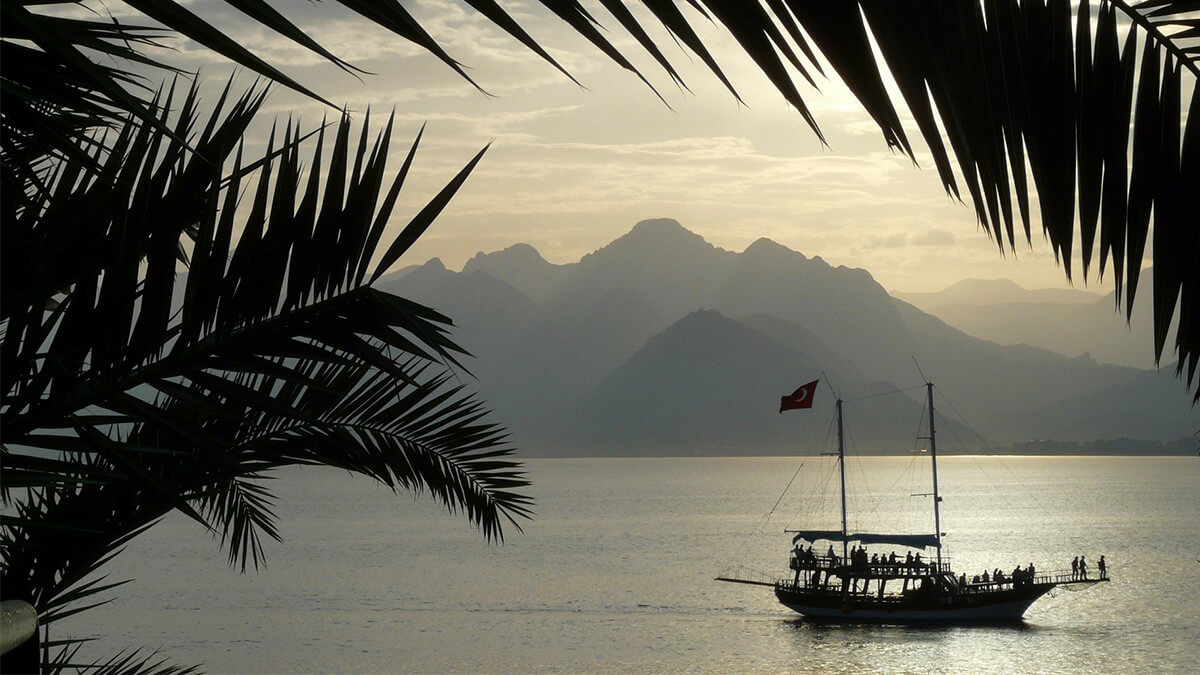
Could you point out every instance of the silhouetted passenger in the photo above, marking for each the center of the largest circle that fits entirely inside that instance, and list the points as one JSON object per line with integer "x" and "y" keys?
{"x": 962, "y": 581}
{"x": 1103, "y": 568}
{"x": 908, "y": 561}
{"x": 975, "y": 579}
{"x": 830, "y": 554}
{"x": 1082, "y": 567}
{"x": 1075, "y": 567}
{"x": 1032, "y": 573}
{"x": 985, "y": 578}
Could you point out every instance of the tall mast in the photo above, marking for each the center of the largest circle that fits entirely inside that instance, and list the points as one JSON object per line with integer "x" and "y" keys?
{"x": 937, "y": 514}
{"x": 842, "y": 464}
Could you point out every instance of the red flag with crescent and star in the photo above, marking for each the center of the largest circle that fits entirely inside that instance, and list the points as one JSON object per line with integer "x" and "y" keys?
{"x": 801, "y": 398}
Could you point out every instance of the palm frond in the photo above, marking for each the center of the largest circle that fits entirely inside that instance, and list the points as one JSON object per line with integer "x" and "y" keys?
{"x": 132, "y": 390}
{"x": 1026, "y": 91}
{"x": 243, "y": 511}
{"x": 128, "y": 662}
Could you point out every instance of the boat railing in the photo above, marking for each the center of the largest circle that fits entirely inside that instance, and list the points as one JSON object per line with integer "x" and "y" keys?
{"x": 1067, "y": 577}
{"x": 1053, "y": 577}
{"x": 900, "y": 568}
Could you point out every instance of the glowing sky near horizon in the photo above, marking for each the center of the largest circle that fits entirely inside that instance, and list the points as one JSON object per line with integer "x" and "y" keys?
{"x": 571, "y": 169}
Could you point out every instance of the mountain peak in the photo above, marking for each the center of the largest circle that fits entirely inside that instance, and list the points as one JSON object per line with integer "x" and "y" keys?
{"x": 517, "y": 254}
{"x": 654, "y": 227}
{"x": 521, "y": 266}
{"x": 656, "y": 241}
{"x": 659, "y": 234}
{"x": 702, "y": 317}
{"x": 767, "y": 249}
{"x": 675, "y": 269}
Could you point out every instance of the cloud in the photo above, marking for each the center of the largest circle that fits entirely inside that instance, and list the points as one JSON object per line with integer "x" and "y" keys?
{"x": 934, "y": 238}
{"x": 905, "y": 239}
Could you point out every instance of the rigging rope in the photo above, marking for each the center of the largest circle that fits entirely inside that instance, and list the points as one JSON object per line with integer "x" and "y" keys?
{"x": 740, "y": 553}
{"x": 882, "y": 393}
{"x": 785, "y": 490}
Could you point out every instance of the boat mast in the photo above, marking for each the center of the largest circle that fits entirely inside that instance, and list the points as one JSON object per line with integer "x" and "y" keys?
{"x": 937, "y": 514}
{"x": 842, "y": 464}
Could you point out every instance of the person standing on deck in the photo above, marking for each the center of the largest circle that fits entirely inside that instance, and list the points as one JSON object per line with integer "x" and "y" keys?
{"x": 1075, "y": 568}
{"x": 1082, "y": 567}
{"x": 1102, "y": 567}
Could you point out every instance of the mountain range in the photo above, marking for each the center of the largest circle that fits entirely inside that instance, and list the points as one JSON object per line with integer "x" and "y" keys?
{"x": 1072, "y": 322}
{"x": 661, "y": 343}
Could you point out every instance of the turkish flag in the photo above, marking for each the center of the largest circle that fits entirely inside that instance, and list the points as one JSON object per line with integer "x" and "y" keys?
{"x": 801, "y": 398}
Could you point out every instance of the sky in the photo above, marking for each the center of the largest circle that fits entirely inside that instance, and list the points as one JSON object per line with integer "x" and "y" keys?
{"x": 573, "y": 166}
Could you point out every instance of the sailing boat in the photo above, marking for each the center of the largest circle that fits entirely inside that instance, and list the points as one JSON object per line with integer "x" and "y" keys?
{"x": 857, "y": 586}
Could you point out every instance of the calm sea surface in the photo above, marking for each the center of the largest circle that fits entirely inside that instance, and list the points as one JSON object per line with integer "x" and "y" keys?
{"x": 616, "y": 573}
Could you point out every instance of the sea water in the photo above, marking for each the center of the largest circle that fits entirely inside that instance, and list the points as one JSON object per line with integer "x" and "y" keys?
{"x": 615, "y": 573}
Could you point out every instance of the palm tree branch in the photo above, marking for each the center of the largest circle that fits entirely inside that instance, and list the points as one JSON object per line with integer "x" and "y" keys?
{"x": 1142, "y": 14}
{"x": 240, "y": 323}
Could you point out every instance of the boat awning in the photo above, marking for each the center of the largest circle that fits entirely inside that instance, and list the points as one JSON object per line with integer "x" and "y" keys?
{"x": 909, "y": 540}
{"x": 816, "y": 535}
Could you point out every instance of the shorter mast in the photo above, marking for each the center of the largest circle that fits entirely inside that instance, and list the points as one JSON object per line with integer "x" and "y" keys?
{"x": 842, "y": 464}
{"x": 937, "y": 514}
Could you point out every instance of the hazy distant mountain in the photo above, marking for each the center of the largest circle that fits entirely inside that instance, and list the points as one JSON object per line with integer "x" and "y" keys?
{"x": 1059, "y": 321}
{"x": 1143, "y": 406}
{"x": 487, "y": 312}
{"x": 617, "y": 357}
{"x": 846, "y": 308}
{"x": 996, "y": 387}
{"x": 711, "y": 385}
{"x": 803, "y": 341}
{"x": 522, "y": 267}
{"x": 565, "y": 351}
{"x": 674, "y": 269}
{"x": 993, "y": 292}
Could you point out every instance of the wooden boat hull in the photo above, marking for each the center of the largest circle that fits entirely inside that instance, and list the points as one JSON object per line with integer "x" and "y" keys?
{"x": 1002, "y": 605}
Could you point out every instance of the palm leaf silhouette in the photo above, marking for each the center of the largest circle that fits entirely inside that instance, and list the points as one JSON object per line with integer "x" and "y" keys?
{"x": 132, "y": 390}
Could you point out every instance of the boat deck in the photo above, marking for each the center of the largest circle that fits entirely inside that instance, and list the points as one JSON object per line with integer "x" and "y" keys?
{"x": 835, "y": 566}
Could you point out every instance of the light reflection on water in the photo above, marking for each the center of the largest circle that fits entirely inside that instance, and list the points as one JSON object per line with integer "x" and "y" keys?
{"x": 615, "y": 574}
